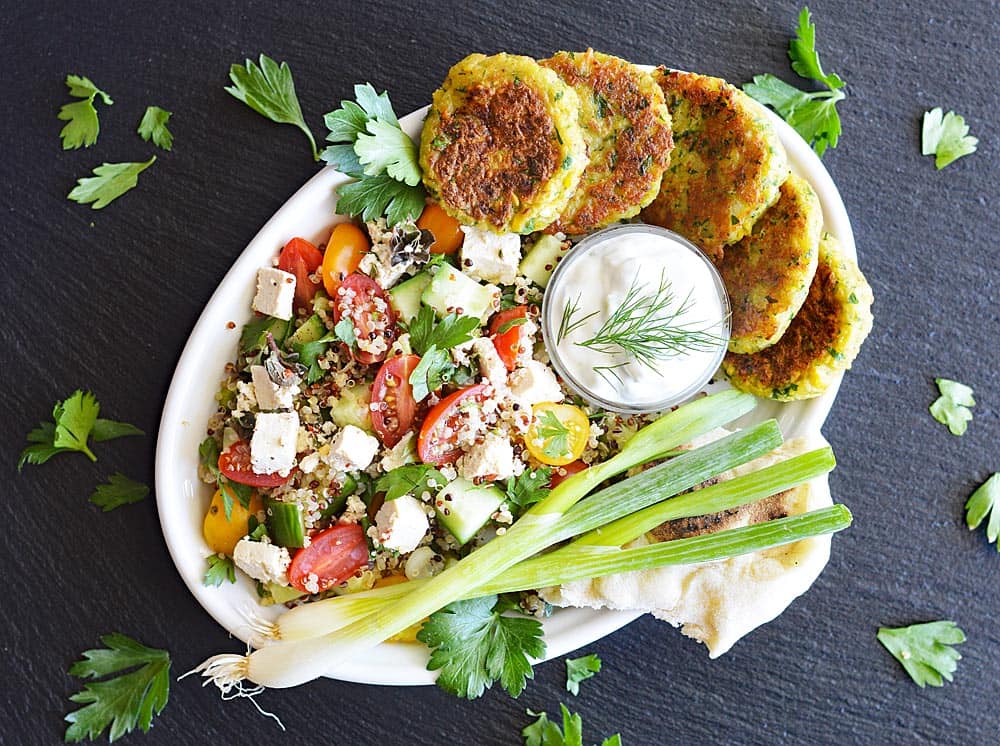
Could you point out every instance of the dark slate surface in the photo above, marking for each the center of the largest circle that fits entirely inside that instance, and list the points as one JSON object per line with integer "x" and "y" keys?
{"x": 105, "y": 300}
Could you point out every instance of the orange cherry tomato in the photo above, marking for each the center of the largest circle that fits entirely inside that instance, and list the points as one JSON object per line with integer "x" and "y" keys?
{"x": 221, "y": 533}
{"x": 344, "y": 250}
{"x": 447, "y": 231}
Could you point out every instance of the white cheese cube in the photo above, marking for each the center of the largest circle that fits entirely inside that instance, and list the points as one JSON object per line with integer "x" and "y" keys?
{"x": 491, "y": 367}
{"x": 492, "y": 257}
{"x": 493, "y": 458}
{"x": 262, "y": 561}
{"x": 534, "y": 383}
{"x": 273, "y": 445}
{"x": 401, "y": 524}
{"x": 269, "y": 394}
{"x": 275, "y": 293}
{"x": 352, "y": 449}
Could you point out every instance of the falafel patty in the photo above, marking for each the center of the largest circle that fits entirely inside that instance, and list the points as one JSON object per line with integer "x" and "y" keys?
{"x": 626, "y": 126}
{"x": 822, "y": 340}
{"x": 726, "y": 167}
{"x": 768, "y": 273}
{"x": 502, "y": 147}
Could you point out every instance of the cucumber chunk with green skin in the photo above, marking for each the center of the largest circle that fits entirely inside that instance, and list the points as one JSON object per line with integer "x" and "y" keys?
{"x": 405, "y": 297}
{"x": 451, "y": 291}
{"x": 540, "y": 262}
{"x": 282, "y": 594}
{"x": 285, "y": 524}
{"x": 351, "y": 407}
{"x": 311, "y": 330}
{"x": 463, "y": 507}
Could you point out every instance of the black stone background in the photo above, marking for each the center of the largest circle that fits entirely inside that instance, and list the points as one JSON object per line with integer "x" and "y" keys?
{"x": 105, "y": 300}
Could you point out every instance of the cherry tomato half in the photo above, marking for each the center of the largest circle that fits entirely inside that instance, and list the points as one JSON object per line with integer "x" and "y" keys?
{"x": 344, "y": 250}
{"x": 301, "y": 258}
{"x": 436, "y": 442}
{"x": 361, "y": 299}
{"x": 332, "y": 556}
{"x": 448, "y": 236}
{"x": 508, "y": 342}
{"x": 561, "y": 473}
{"x": 394, "y": 395}
{"x": 234, "y": 463}
{"x": 558, "y": 433}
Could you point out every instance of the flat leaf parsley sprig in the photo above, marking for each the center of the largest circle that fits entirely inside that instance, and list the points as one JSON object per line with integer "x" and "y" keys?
{"x": 925, "y": 650}
{"x": 985, "y": 501}
{"x": 946, "y": 137}
{"x": 82, "y": 125}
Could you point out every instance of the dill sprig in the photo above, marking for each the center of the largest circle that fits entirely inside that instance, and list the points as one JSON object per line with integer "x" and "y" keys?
{"x": 646, "y": 327}
{"x": 568, "y": 326}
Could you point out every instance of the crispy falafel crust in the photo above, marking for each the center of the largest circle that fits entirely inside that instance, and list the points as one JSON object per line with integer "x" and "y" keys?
{"x": 502, "y": 147}
{"x": 626, "y": 125}
{"x": 823, "y": 339}
{"x": 727, "y": 165}
{"x": 768, "y": 273}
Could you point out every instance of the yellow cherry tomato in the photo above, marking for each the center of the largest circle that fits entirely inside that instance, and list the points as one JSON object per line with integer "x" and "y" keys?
{"x": 558, "y": 433}
{"x": 410, "y": 633}
{"x": 448, "y": 236}
{"x": 221, "y": 534}
{"x": 344, "y": 250}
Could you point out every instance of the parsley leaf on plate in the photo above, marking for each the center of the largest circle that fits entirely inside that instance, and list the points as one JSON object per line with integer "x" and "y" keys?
{"x": 986, "y": 499}
{"x": 109, "y": 182}
{"x": 410, "y": 479}
{"x": 387, "y": 148}
{"x": 220, "y": 569}
{"x": 433, "y": 370}
{"x": 952, "y": 407}
{"x": 154, "y": 127}
{"x": 529, "y": 487}
{"x": 120, "y": 701}
{"x": 344, "y": 331}
{"x": 310, "y": 352}
{"x": 119, "y": 490}
{"x": 925, "y": 650}
{"x": 554, "y": 433}
{"x": 813, "y": 114}
{"x": 544, "y": 732}
{"x": 473, "y": 645}
{"x": 451, "y": 331}
{"x": 580, "y": 669}
{"x": 946, "y": 136}
{"x": 82, "y": 125}
{"x": 374, "y": 196}
{"x": 269, "y": 90}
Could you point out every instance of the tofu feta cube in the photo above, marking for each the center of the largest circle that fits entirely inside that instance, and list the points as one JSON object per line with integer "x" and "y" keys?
{"x": 262, "y": 561}
{"x": 534, "y": 383}
{"x": 491, "y": 257}
{"x": 275, "y": 293}
{"x": 352, "y": 449}
{"x": 270, "y": 395}
{"x": 273, "y": 445}
{"x": 400, "y": 524}
{"x": 490, "y": 365}
{"x": 493, "y": 458}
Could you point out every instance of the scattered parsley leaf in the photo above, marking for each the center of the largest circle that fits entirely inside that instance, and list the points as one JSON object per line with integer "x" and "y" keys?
{"x": 544, "y": 732}
{"x": 109, "y": 430}
{"x": 812, "y": 114}
{"x": 82, "y": 125}
{"x": 554, "y": 433}
{"x": 344, "y": 331}
{"x": 433, "y": 370}
{"x": 109, "y": 182}
{"x": 253, "y": 338}
{"x": 580, "y": 669}
{"x": 511, "y": 323}
{"x": 529, "y": 487}
{"x": 269, "y": 90}
{"x": 925, "y": 650}
{"x": 220, "y": 569}
{"x": 951, "y": 408}
{"x": 154, "y": 127}
{"x": 208, "y": 455}
{"x": 452, "y": 330}
{"x": 123, "y": 701}
{"x": 74, "y": 419}
{"x": 375, "y": 196}
{"x": 41, "y": 448}
{"x": 387, "y": 148}
{"x": 473, "y": 645}
{"x": 986, "y": 499}
{"x": 946, "y": 136}
{"x": 119, "y": 490}
{"x": 410, "y": 479}
{"x": 310, "y": 352}
{"x": 231, "y": 490}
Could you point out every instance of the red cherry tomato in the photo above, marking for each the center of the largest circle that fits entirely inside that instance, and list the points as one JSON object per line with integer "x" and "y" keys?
{"x": 436, "y": 442}
{"x": 561, "y": 473}
{"x": 394, "y": 395}
{"x": 234, "y": 463}
{"x": 302, "y": 259}
{"x": 508, "y": 342}
{"x": 361, "y": 299}
{"x": 332, "y": 556}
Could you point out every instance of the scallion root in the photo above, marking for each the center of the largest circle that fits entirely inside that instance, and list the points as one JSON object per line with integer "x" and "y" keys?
{"x": 229, "y": 673}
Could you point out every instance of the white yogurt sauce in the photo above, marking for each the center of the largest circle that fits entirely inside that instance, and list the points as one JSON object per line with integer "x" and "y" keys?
{"x": 598, "y": 279}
